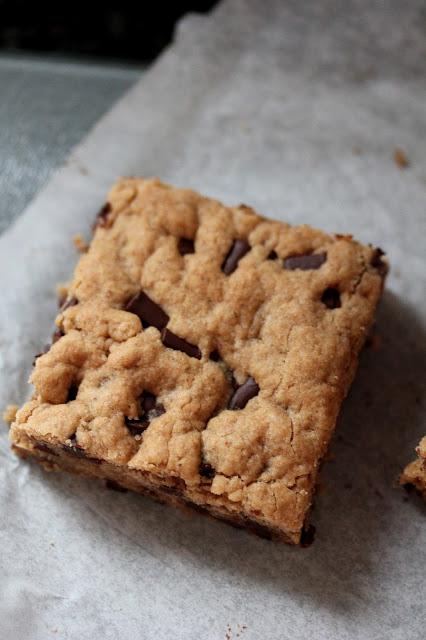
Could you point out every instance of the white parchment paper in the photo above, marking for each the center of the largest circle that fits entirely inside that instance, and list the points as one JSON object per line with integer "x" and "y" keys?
{"x": 295, "y": 108}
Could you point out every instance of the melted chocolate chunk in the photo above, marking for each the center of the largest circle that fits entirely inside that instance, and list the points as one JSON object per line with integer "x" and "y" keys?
{"x": 215, "y": 356}
{"x": 41, "y": 446}
{"x": 69, "y": 302}
{"x": 56, "y": 335}
{"x": 72, "y": 392}
{"x": 273, "y": 255}
{"x": 172, "y": 341}
{"x": 149, "y": 312}
{"x": 102, "y": 216}
{"x": 77, "y": 450}
{"x": 308, "y": 536}
{"x": 136, "y": 426}
{"x": 149, "y": 410}
{"x": 331, "y": 298}
{"x": 305, "y": 262}
{"x": 378, "y": 263}
{"x": 236, "y": 252}
{"x": 186, "y": 245}
{"x": 243, "y": 394}
{"x": 206, "y": 470}
{"x": 74, "y": 448}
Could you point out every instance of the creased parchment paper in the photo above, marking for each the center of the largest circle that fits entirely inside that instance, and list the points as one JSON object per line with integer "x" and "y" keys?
{"x": 296, "y": 109}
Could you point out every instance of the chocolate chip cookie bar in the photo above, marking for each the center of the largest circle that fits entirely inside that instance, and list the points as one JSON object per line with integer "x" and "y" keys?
{"x": 202, "y": 355}
{"x": 414, "y": 474}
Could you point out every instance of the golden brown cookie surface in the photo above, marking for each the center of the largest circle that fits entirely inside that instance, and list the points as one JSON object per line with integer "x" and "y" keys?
{"x": 206, "y": 350}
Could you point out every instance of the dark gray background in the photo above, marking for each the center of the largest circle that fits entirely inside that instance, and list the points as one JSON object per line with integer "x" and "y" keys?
{"x": 45, "y": 109}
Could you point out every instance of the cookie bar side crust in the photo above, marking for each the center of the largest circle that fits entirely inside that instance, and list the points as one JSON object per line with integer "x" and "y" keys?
{"x": 414, "y": 474}
{"x": 164, "y": 490}
{"x": 206, "y": 344}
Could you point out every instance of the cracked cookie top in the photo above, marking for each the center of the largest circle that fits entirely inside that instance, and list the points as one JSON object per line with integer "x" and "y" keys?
{"x": 208, "y": 344}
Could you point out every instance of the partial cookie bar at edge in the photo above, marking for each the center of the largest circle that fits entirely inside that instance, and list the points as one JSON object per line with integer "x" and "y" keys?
{"x": 202, "y": 356}
{"x": 414, "y": 474}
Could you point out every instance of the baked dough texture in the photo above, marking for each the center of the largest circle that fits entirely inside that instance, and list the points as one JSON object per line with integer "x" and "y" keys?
{"x": 202, "y": 356}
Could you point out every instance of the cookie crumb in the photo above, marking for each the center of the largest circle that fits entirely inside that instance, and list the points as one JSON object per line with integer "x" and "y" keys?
{"x": 9, "y": 414}
{"x": 400, "y": 158}
{"x": 80, "y": 243}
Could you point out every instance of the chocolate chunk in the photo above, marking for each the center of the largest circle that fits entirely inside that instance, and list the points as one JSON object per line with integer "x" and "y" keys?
{"x": 331, "y": 298}
{"x": 69, "y": 302}
{"x": 378, "y": 263}
{"x": 185, "y": 245}
{"x": 206, "y": 470}
{"x": 136, "y": 426}
{"x": 172, "y": 341}
{"x": 243, "y": 394}
{"x": 102, "y": 216}
{"x": 56, "y": 335}
{"x": 41, "y": 446}
{"x": 308, "y": 536}
{"x": 236, "y": 252}
{"x": 149, "y": 410}
{"x": 74, "y": 448}
{"x": 273, "y": 255}
{"x": 149, "y": 312}
{"x": 305, "y": 262}
{"x": 114, "y": 486}
{"x": 72, "y": 392}
{"x": 78, "y": 451}
{"x": 215, "y": 356}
